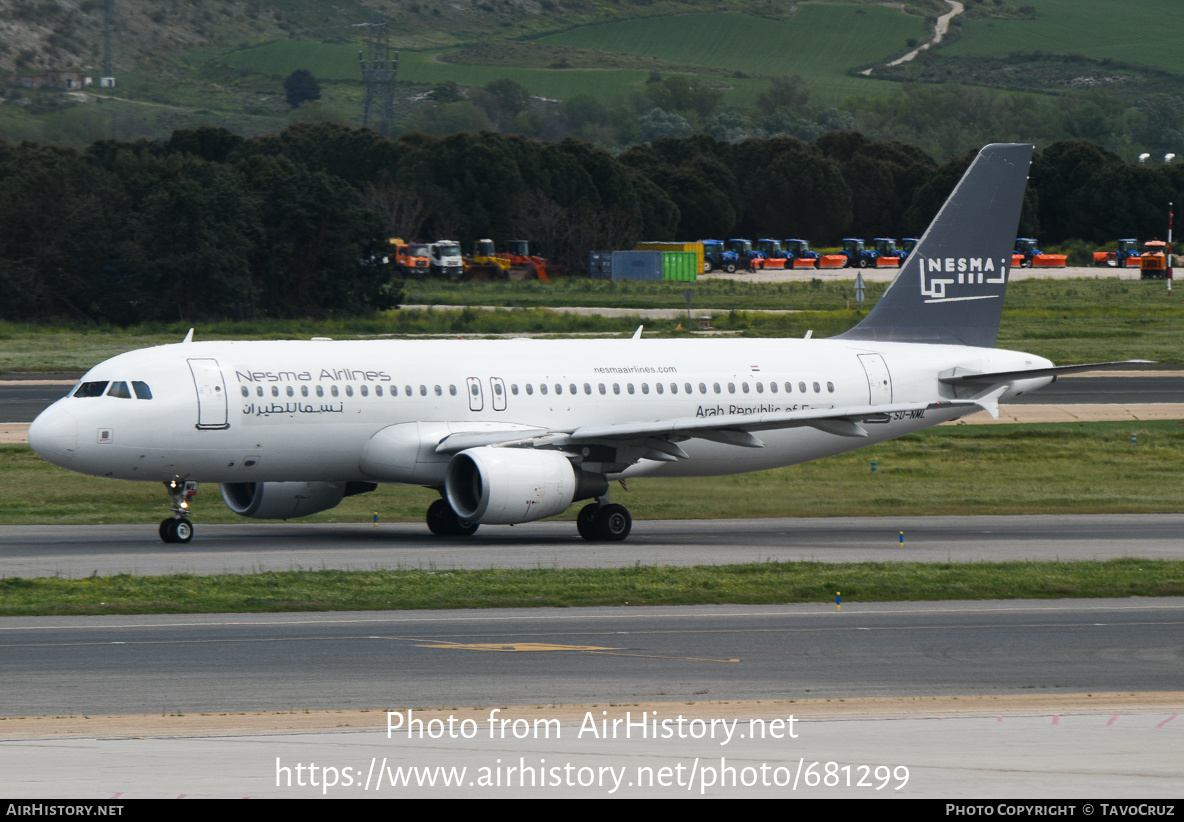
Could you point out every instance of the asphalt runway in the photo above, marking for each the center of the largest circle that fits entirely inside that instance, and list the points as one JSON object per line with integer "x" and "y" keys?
{"x": 81, "y": 550}
{"x": 218, "y": 702}
{"x": 289, "y": 662}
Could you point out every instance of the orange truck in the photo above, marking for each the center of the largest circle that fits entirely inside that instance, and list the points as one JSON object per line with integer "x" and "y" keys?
{"x": 411, "y": 259}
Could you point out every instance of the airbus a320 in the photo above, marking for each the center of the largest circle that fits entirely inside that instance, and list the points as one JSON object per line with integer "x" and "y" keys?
{"x": 513, "y": 431}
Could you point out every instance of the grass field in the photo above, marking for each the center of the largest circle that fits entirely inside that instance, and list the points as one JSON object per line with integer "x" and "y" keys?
{"x": 1136, "y": 32}
{"x": 821, "y": 43}
{"x": 722, "y": 44}
{"x": 764, "y": 583}
{"x": 1001, "y": 469}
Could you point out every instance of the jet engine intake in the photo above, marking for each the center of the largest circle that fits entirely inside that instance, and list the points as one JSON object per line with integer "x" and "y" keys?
{"x": 504, "y": 486}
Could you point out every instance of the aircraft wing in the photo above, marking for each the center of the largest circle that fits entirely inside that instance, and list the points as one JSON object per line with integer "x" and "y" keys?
{"x": 733, "y": 429}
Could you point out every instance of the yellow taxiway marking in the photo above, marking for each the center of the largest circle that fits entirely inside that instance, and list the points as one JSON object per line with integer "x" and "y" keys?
{"x": 545, "y": 646}
{"x": 518, "y": 646}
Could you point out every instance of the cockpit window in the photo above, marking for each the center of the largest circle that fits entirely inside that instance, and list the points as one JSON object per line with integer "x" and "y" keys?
{"x": 119, "y": 389}
{"x": 91, "y": 389}
{"x": 143, "y": 392}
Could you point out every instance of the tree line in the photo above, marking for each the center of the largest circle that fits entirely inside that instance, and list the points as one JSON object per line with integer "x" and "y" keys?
{"x": 208, "y": 224}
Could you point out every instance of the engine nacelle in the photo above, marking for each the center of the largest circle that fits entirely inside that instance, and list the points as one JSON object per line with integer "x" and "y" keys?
{"x": 504, "y": 486}
{"x": 287, "y": 500}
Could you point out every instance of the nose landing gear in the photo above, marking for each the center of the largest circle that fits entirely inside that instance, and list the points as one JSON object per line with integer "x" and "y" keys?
{"x": 178, "y": 528}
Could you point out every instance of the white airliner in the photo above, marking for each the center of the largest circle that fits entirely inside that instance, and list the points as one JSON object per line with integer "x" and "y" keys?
{"x": 514, "y": 431}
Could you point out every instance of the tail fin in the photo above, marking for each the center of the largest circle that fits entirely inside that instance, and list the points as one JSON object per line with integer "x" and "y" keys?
{"x": 950, "y": 288}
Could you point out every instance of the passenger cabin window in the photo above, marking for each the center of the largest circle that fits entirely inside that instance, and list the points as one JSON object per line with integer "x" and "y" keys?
{"x": 119, "y": 389}
{"x": 91, "y": 389}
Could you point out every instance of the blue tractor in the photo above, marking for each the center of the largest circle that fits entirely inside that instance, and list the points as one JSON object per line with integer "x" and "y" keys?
{"x": 716, "y": 257}
{"x": 858, "y": 256}
{"x": 801, "y": 255}
{"x": 744, "y": 253}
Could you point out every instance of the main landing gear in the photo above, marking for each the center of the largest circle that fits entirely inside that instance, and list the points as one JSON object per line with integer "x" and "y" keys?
{"x": 178, "y": 528}
{"x": 604, "y": 523}
{"x": 443, "y": 521}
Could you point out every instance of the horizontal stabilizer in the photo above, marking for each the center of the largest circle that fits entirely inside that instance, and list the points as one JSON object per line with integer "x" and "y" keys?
{"x": 1032, "y": 373}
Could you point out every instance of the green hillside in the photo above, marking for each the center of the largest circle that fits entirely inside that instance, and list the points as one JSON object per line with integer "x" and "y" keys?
{"x": 183, "y": 66}
{"x": 1134, "y": 31}
{"x": 821, "y": 43}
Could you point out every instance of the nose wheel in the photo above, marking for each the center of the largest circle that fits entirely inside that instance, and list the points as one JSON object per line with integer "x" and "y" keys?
{"x": 178, "y": 528}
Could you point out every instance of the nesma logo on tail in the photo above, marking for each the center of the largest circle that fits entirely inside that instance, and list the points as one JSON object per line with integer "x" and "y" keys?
{"x": 967, "y": 272}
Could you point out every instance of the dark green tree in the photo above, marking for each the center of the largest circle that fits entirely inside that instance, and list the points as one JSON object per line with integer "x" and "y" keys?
{"x": 301, "y": 87}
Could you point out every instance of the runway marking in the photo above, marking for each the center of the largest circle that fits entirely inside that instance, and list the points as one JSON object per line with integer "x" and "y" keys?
{"x": 441, "y": 643}
{"x": 502, "y": 647}
{"x": 802, "y": 610}
{"x": 517, "y": 646}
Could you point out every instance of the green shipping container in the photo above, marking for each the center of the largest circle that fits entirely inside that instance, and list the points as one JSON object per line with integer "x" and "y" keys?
{"x": 696, "y": 247}
{"x": 682, "y": 266}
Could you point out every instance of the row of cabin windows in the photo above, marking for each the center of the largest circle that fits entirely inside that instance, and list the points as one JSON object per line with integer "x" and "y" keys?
{"x": 119, "y": 389}
{"x": 572, "y": 388}
{"x": 687, "y": 388}
{"x": 348, "y": 391}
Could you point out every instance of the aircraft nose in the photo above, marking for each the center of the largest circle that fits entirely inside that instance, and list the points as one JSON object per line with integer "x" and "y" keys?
{"x": 54, "y": 435}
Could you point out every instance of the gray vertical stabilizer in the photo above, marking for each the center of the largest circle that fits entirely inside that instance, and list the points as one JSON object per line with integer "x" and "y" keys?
{"x": 950, "y": 288}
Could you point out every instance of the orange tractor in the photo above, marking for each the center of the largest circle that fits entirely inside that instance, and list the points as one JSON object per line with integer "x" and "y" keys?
{"x": 1153, "y": 264}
